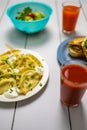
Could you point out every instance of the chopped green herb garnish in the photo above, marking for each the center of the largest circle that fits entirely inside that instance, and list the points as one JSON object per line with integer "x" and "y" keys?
{"x": 13, "y": 75}
{"x": 11, "y": 90}
{"x": 11, "y": 83}
{"x": 85, "y": 43}
{"x": 1, "y": 72}
{"x": 26, "y": 78}
{"x": 6, "y": 60}
{"x": 32, "y": 76}
{"x": 29, "y": 85}
{"x": 41, "y": 84}
{"x": 15, "y": 65}
{"x": 9, "y": 70}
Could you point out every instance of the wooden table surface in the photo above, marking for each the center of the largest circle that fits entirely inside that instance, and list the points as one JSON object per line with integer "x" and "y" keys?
{"x": 43, "y": 111}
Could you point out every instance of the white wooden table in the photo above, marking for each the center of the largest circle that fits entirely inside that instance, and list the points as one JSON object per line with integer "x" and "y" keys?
{"x": 44, "y": 110}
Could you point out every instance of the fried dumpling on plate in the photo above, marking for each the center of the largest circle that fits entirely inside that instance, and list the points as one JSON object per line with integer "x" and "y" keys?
{"x": 6, "y": 84}
{"x": 75, "y": 47}
{"x": 84, "y": 47}
{"x": 29, "y": 79}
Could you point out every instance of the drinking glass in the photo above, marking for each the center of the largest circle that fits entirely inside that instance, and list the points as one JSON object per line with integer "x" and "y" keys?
{"x": 70, "y": 13}
{"x": 73, "y": 82}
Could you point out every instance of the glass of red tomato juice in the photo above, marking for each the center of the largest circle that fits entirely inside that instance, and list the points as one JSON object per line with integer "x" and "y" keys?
{"x": 73, "y": 82}
{"x": 70, "y": 15}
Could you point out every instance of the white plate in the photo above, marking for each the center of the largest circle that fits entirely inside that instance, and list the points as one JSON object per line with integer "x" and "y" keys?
{"x": 38, "y": 87}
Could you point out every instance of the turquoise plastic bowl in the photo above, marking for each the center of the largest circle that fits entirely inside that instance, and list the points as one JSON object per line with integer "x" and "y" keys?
{"x": 29, "y": 26}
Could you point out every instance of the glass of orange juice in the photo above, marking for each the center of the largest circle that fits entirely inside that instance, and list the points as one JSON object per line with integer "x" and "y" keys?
{"x": 70, "y": 15}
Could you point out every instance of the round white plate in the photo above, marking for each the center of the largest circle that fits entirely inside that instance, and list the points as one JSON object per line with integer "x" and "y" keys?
{"x": 38, "y": 87}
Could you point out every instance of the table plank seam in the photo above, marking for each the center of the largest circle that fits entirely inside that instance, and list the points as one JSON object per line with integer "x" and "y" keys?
{"x": 1, "y": 17}
{"x": 13, "y": 120}
{"x": 14, "y": 114}
{"x": 69, "y": 116}
{"x": 25, "y": 46}
{"x": 58, "y": 20}
{"x": 84, "y": 13}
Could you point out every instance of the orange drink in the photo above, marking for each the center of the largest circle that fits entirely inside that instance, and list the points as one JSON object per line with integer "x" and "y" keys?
{"x": 70, "y": 15}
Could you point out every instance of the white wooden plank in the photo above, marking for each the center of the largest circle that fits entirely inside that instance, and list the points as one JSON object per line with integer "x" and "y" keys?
{"x": 6, "y": 110}
{"x": 84, "y": 7}
{"x": 8, "y": 34}
{"x": 3, "y": 5}
{"x": 78, "y": 115}
{"x": 44, "y": 111}
{"x": 6, "y": 115}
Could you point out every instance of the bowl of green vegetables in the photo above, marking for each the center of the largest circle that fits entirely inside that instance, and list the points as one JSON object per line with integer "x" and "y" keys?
{"x": 30, "y": 17}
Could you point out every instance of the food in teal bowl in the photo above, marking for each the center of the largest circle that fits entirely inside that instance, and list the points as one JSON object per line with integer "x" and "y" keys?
{"x": 30, "y": 17}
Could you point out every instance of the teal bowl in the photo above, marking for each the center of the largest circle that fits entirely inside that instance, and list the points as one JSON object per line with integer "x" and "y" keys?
{"x": 30, "y": 27}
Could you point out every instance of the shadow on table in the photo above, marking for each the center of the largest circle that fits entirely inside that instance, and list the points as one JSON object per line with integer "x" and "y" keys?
{"x": 63, "y": 114}
{"x": 20, "y": 39}
{"x": 79, "y": 117}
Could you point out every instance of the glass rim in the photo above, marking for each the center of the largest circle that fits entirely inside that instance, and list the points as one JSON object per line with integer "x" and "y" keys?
{"x": 76, "y": 62}
{"x": 71, "y": 2}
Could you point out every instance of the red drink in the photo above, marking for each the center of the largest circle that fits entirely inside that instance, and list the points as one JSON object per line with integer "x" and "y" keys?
{"x": 73, "y": 83}
{"x": 70, "y": 16}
